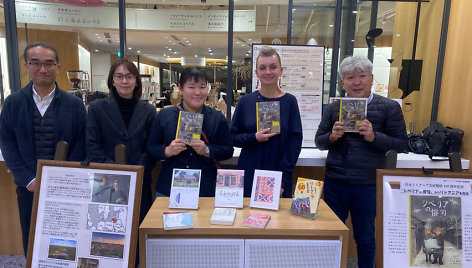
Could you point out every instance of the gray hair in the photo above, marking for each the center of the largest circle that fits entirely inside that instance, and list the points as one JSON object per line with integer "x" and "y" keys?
{"x": 355, "y": 63}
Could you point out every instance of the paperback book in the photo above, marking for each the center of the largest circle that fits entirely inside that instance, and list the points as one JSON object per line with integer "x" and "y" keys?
{"x": 266, "y": 189}
{"x": 229, "y": 190}
{"x": 185, "y": 188}
{"x": 306, "y": 197}
{"x": 268, "y": 116}
{"x": 177, "y": 220}
{"x": 189, "y": 126}
{"x": 256, "y": 220}
{"x": 223, "y": 216}
{"x": 351, "y": 112}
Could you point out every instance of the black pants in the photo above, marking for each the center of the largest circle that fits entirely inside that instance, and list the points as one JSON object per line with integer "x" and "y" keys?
{"x": 25, "y": 206}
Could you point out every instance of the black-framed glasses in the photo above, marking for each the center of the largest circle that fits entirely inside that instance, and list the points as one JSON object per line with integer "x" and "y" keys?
{"x": 129, "y": 77}
{"x": 38, "y": 65}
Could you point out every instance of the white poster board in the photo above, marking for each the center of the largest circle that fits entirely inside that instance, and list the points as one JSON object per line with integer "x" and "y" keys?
{"x": 85, "y": 217}
{"x": 426, "y": 221}
{"x": 302, "y": 77}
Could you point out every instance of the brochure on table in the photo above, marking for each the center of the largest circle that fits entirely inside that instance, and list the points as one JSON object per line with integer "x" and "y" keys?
{"x": 302, "y": 77}
{"x": 84, "y": 216}
{"x": 427, "y": 221}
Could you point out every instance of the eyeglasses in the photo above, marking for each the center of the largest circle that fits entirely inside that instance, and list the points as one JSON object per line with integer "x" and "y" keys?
{"x": 129, "y": 77}
{"x": 38, "y": 65}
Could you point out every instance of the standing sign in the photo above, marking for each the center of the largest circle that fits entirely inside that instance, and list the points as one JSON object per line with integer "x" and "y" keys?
{"x": 302, "y": 77}
{"x": 84, "y": 217}
{"x": 424, "y": 220}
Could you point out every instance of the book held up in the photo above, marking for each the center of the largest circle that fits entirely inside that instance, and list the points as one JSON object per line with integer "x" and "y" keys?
{"x": 189, "y": 126}
{"x": 351, "y": 112}
{"x": 268, "y": 116}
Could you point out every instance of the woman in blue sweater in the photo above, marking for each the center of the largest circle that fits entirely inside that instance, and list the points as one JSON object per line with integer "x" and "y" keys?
{"x": 264, "y": 150}
{"x": 199, "y": 154}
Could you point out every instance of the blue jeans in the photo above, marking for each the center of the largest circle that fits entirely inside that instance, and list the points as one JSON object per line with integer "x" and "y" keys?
{"x": 360, "y": 201}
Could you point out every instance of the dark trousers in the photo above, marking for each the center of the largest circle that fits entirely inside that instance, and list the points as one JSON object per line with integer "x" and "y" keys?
{"x": 359, "y": 201}
{"x": 25, "y": 206}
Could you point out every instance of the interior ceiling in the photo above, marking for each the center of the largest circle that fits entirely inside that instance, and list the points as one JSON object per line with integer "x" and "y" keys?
{"x": 314, "y": 20}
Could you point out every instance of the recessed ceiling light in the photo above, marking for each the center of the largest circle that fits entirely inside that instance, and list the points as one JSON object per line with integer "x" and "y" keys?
{"x": 96, "y": 34}
{"x": 166, "y": 37}
{"x": 331, "y": 25}
{"x": 196, "y": 56}
{"x": 96, "y": 50}
{"x": 187, "y": 41}
{"x": 175, "y": 52}
{"x": 165, "y": 54}
{"x": 250, "y": 39}
{"x": 354, "y": 11}
{"x": 189, "y": 44}
{"x": 237, "y": 42}
{"x": 139, "y": 51}
{"x": 129, "y": 48}
{"x": 170, "y": 49}
{"x": 185, "y": 38}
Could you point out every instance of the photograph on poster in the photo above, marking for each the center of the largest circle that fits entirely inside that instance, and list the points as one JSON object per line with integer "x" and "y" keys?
{"x": 62, "y": 249}
{"x": 107, "y": 245}
{"x": 436, "y": 230}
{"x": 87, "y": 263}
{"x": 186, "y": 178}
{"x": 107, "y": 218}
{"x": 110, "y": 188}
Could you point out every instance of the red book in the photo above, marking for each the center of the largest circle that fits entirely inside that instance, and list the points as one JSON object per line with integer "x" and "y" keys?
{"x": 256, "y": 220}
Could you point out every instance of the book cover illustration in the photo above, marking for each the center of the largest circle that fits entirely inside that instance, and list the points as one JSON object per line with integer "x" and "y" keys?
{"x": 306, "y": 197}
{"x": 435, "y": 231}
{"x": 268, "y": 116}
{"x": 229, "y": 190}
{"x": 185, "y": 188}
{"x": 223, "y": 216}
{"x": 177, "y": 220}
{"x": 266, "y": 189}
{"x": 351, "y": 112}
{"x": 189, "y": 126}
{"x": 257, "y": 220}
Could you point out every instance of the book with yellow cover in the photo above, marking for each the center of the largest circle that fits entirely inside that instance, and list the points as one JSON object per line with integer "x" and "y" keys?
{"x": 306, "y": 197}
{"x": 189, "y": 126}
{"x": 268, "y": 116}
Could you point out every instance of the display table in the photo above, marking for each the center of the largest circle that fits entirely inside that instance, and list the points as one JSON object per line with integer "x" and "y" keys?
{"x": 282, "y": 225}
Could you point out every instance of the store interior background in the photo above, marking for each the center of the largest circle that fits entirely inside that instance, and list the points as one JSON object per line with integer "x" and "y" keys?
{"x": 159, "y": 52}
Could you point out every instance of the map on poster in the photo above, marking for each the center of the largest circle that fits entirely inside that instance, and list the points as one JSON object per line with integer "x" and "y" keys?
{"x": 427, "y": 222}
{"x": 107, "y": 218}
{"x": 303, "y": 69}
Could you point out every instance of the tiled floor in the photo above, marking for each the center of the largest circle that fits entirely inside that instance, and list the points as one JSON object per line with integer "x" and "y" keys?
{"x": 18, "y": 261}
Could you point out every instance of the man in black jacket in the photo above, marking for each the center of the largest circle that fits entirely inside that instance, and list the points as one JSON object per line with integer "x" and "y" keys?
{"x": 353, "y": 157}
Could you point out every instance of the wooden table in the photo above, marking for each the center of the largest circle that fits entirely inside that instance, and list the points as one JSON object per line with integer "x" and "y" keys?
{"x": 282, "y": 225}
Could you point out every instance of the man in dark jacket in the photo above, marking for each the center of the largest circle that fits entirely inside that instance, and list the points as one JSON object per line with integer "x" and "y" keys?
{"x": 33, "y": 120}
{"x": 353, "y": 157}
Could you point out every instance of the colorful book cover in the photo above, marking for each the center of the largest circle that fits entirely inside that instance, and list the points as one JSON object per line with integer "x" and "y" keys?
{"x": 177, "y": 220}
{"x": 268, "y": 116}
{"x": 306, "y": 197}
{"x": 256, "y": 220}
{"x": 185, "y": 188}
{"x": 351, "y": 112}
{"x": 223, "y": 216}
{"x": 189, "y": 126}
{"x": 229, "y": 190}
{"x": 266, "y": 189}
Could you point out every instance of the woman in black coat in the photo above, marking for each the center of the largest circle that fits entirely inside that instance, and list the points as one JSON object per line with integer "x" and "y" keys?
{"x": 122, "y": 119}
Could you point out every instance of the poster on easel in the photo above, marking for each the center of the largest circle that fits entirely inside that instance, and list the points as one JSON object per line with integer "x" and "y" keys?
{"x": 302, "y": 76}
{"x": 424, "y": 220}
{"x": 84, "y": 216}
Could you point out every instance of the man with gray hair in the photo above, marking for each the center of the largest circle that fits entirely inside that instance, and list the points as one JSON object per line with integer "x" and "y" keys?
{"x": 33, "y": 120}
{"x": 353, "y": 157}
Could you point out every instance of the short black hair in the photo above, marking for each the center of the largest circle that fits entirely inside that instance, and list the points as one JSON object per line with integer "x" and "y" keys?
{"x": 40, "y": 44}
{"x": 192, "y": 73}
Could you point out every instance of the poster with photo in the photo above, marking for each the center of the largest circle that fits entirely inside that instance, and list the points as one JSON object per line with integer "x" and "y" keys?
{"x": 85, "y": 217}
{"x": 426, "y": 221}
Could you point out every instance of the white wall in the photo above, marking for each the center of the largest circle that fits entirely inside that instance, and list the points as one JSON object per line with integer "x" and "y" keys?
{"x": 101, "y": 67}
{"x": 5, "y": 75}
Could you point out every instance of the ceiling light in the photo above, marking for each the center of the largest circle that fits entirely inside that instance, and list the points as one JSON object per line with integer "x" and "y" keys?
{"x": 354, "y": 11}
{"x": 96, "y": 50}
{"x": 185, "y": 38}
{"x": 96, "y": 34}
{"x": 139, "y": 51}
{"x": 170, "y": 49}
{"x": 166, "y": 37}
{"x": 175, "y": 52}
{"x": 331, "y": 25}
{"x": 189, "y": 44}
{"x": 196, "y": 56}
{"x": 165, "y": 54}
{"x": 250, "y": 39}
{"x": 129, "y": 48}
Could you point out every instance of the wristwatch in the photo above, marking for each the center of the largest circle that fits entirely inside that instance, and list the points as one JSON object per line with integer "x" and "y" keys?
{"x": 207, "y": 150}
